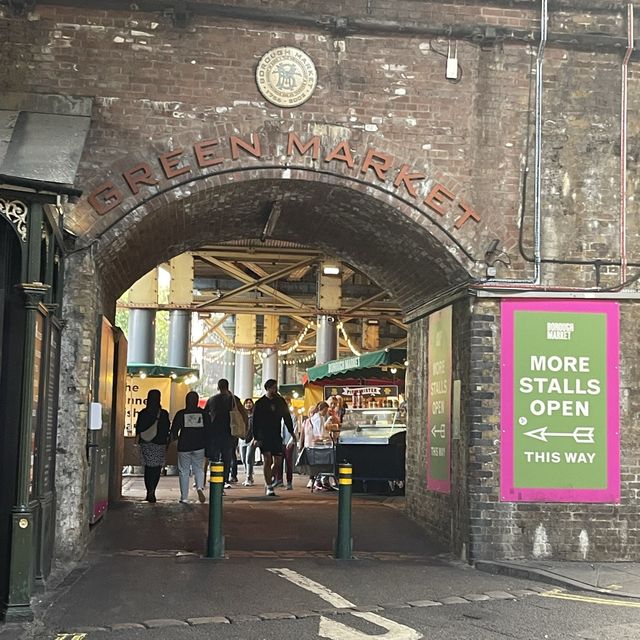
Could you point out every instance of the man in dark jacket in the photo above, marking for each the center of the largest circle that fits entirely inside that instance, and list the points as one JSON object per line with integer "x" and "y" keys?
{"x": 268, "y": 414}
{"x": 220, "y": 442}
{"x": 190, "y": 426}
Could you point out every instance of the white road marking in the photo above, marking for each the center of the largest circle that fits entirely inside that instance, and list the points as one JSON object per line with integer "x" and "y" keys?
{"x": 334, "y": 630}
{"x": 329, "y": 596}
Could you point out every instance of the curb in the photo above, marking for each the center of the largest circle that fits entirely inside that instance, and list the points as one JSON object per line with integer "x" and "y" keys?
{"x": 237, "y": 619}
{"x": 547, "y": 577}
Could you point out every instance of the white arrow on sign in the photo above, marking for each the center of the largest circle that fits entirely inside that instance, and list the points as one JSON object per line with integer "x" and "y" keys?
{"x": 437, "y": 432}
{"x": 582, "y": 435}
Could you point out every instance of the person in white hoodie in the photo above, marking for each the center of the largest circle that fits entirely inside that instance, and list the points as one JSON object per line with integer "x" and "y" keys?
{"x": 190, "y": 428}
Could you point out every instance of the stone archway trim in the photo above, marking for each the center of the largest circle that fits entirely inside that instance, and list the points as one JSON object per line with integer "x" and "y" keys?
{"x": 98, "y": 230}
{"x": 423, "y": 192}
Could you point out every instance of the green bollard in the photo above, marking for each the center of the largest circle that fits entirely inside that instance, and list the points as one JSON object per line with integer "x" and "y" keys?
{"x": 215, "y": 540}
{"x": 344, "y": 543}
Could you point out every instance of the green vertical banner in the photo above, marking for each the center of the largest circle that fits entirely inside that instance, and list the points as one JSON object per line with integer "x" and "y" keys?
{"x": 439, "y": 402}
{"x": 560, "y": 402}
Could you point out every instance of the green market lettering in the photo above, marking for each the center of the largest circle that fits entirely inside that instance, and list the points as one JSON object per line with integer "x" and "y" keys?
{"x": 373, "y": 165}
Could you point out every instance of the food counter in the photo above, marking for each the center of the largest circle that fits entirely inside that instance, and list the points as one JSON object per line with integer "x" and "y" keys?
{"x": 373, "y": 441}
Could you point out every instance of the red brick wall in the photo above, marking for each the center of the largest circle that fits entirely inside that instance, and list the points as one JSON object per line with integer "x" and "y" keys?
{"x": 157, "y": 86}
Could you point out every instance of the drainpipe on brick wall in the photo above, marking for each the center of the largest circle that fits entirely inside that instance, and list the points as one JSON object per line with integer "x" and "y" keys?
{"x": 537, "y": 233}
{"x": 534, "y": 284}
{"x": 623, "y": 146}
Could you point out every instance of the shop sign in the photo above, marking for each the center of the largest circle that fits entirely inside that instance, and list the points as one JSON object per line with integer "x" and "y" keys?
{"x": 439, "y": 402}
{"x": 136, "y": 398}
{"x": 371, "y": 165}
{"x": 560, "y": 413}
{"x": 371, "y": 391}
{"x": 343, "y": 365}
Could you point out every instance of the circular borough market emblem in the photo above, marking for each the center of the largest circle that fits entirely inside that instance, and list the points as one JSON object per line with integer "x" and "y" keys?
{"x": 286, "y": 76}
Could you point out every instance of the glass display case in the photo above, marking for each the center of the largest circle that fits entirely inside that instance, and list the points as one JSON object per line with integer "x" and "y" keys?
{"x": 373, "y": 440}
{"x": 370, "y": 426}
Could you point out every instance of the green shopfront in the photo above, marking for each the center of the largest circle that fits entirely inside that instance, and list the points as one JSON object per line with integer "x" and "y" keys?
{"x": 37, "y": 171}
{"x": 30, "y": 301}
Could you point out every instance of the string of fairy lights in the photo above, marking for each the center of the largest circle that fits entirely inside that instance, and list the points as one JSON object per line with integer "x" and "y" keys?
{"x": 230, "y": 348}
{"x": 347, "y": 339}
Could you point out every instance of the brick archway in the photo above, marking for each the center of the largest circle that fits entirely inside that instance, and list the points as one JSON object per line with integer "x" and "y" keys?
{"x": 398, "y": 254}
{"x": 403, "y": 222}
{"x": 394, "y": 219}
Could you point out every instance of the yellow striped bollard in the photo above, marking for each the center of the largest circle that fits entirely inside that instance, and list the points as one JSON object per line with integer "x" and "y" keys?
{"x": 215, "y": 539}
{"x": 344, "y": 543}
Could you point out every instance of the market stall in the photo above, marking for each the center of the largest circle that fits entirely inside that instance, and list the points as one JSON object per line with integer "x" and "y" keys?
{"x": 373, "y": 432}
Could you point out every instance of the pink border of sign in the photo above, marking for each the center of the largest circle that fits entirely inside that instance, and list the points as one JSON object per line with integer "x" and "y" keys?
{"x": 510, "y": 493}
{"x": 436, "y": 484}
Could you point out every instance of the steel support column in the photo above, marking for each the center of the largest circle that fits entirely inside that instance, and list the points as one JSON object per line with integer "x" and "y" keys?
{"x": 245, "y": 340}
{"x": 142, "y": 321}
{"x": 329, "y": 301}
{"x": 229, "y": 370}
{"x": 180, "y": 293}
{"x": 142, "y": 336}
{"x": 326, "y": 339}
{"x": 270, "y": 361}
{"x": 179, "y": 339}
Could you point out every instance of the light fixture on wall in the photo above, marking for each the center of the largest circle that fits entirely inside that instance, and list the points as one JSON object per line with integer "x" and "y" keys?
{"x": 331, "y": 270}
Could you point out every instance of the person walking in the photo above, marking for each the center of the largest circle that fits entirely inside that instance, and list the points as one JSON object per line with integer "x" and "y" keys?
{"x": 269, "y": 412}
{"x": 220, "y": 442}
{"x": 247, "y": 446}
{"x": 318, "y": 436}
{"x": 284, "y": 465}
{"x": 152, "y": 434}
{"x": 190, "y": 427}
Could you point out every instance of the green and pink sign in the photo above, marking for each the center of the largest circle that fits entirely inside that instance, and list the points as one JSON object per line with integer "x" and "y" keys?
{"x": 439, "y": 402}
{"x": 560, "y": 403}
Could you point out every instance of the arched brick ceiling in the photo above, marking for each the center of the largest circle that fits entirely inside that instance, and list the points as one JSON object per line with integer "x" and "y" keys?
{"x": 397, "y": 253}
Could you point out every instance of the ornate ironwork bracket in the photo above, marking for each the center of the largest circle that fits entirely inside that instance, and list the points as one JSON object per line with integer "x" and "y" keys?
{"x": 15, "y": 211}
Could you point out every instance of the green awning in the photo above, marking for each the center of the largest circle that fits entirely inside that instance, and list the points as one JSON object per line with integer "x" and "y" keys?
{"x": 160, "y": 371}
{"x": 359, "y": 366}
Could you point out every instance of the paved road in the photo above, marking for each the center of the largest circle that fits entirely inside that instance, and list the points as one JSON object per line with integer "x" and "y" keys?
{"x": 304, "y": 599}
{"x": 523, "y": 614}
{"x": 145, "y": 578}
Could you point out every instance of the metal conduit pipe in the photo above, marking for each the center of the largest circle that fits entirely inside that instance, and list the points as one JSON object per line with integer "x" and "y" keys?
{"x": 537, "y": 196}
{"x": 343, "y": 26}
{"x": 505, "y": 285}
{"x": 534, "y": 283}
{"x": 537, "y": 233}
{"x": 623, "y": 146}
